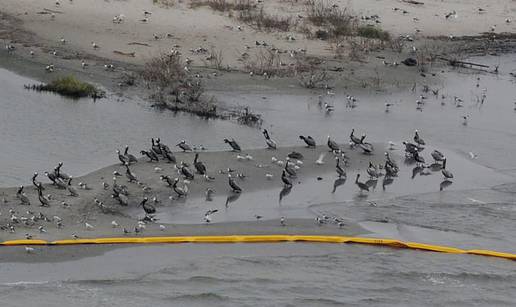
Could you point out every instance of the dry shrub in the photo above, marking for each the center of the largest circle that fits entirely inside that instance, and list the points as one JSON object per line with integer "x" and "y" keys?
{"x": 215, "y": 59}
{"x": 264, "y": 22}
{"x": 223, "y": 5}
{"x": 336, "y": 22}
{"x": 164, "y": 3}
{"x": 264, "y": 62}
{"x": 397, "y": 44}
{"x": 165, "y": 70}
{"x": 314, "y": 79}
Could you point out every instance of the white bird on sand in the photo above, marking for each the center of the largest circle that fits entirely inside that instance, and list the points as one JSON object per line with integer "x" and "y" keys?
{"x": 89, "y": 226}
{"x": 162, "y": 227}
{"x": 94, "y": 45}
{"x": 114, "y": 224}
{"x": 269, "y": 176}
{"x": 240, "y": 157}
{"x": 320, "y": 160}
{"x": 392, "y": 145}
{"x": 29, "y": 249}
{"x": 282, "y": 221}
{"x": 472, "y": 155}
{"x": 158, "y": 169}
{"x": 248, "y": 157}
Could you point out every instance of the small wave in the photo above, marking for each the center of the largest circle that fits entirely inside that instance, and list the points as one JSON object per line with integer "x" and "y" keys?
{"x": 204, "y": 296}
{"x": 24, "y": 283}
{"x": 210, "y": 279}
{"x": 317, "y": 302}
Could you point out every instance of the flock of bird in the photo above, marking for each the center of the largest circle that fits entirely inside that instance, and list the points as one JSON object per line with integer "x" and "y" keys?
{"x": 187, "y": 173}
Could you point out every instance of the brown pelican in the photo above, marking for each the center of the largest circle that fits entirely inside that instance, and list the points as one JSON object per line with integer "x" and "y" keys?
{"x": 184, "y": 146}
{"x": 199, "y": 166}
{"x": 332, "y": 144}
{"x": 71, "y": 189}
{"x": 286, "y": 181}
{"x": 271, "y": 144}
{"x": 22, "y": 197}
{"x": 234, "y": 187}
{"x": 122, "y": 158}
{"x": 340, "y": 171}
{"x": 353, "y": 138}
{"x": 148, "y": 208}
{"x": 42, "y": 199}
{"x": 179, "y": 191}
{"x": 35, "y": 182}
{"x": 418, "y": 140}
{"x": 234, "y": 145}
{"x": 437, "y": 156}
{"x": 362, "y": 186}
{"x": 129, "y": 157}
{"x": 310, "y": 142}
{"x": 446, "y": 173}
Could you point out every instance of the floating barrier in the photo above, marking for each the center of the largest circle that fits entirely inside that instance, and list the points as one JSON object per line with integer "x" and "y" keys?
{"x": 264, "y": 239}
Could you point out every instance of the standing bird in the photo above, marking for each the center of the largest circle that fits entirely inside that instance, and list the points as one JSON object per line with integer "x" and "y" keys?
{"x": 129, "y": 157}
{"x": 35, "y": 182}
{"x": 59, "y": 174}
{"x": 362, "y": 186}
{"x": 446, "y": 173}
{"x": 148, "y": 208}
{"x": 437, "y": 156}
{"x": 417, "y": 139}
{"x": 271, "y": 144}
{"x": 169, "y": 156}
{"x": 353, "y": 138}
{"x": 150, "y": 154}
{"x": 389, "y": 161}
{"x": 71, "y": 189}
{"x": 372, "y": 171}
{"x": 22, "y": 197}
{"x": 199, "y": 166}
{"x": 184, "y": 146}
{"x": 234, "y": 187}
{"x": 179, "y": 191}
{"x": 121, "y": 157}
{"x": 286, "y": 181}
{"x": 186, "y": 172}
{"x": 130, "y": 176}
{"x": 44, "y": 202}
{"x": 52, "y": 177}
{"x": 340, "y": 171}
{"x": 332, "y": 144}
{"x": 234, "y": 145}
{"x": 419, "y": 159}
{"x": 310, "y": 142}
{"x": 155, "y": 147}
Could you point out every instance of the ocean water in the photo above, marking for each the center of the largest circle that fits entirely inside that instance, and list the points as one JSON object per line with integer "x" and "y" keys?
{"x": 294, "y": 274}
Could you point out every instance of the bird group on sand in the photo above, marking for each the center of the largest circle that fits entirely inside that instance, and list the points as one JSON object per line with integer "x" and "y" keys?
{"x": 188, "y": 174}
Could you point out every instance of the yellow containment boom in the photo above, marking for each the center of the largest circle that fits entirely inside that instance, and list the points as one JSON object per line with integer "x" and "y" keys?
{"x": 264, "y": 239}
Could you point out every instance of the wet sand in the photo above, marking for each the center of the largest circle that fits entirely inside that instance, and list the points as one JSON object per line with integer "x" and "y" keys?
{"x": 83, "y": 209}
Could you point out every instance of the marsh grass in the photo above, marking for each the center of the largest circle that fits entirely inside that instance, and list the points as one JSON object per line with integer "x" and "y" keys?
{"x": 70, "y": 86}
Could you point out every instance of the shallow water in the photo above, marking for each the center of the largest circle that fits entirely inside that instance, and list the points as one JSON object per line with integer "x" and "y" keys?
{"x": 476, "y": 211}
{"x": 40, "y": 129}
